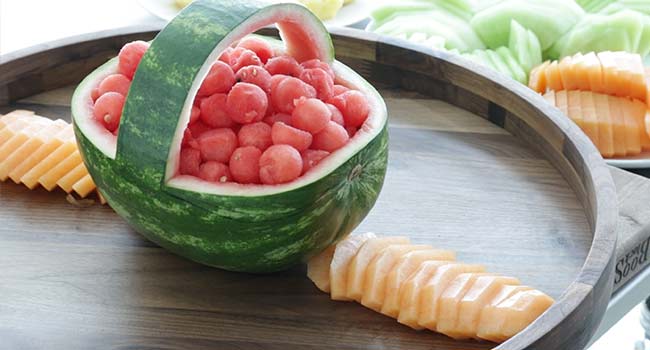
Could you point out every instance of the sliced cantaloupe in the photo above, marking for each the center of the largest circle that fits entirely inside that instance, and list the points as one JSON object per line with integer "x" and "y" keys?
{"x": 41, "y": 153}
{"x": 374, "y": 287}
{"x": 409, "y": 294}
{"x": 562, "y": 101}
{"x": 581, "y": 69}
{"x": 550, "y": 97}
{"x": 589, "y": 118}
{"x": 21, "y": 136}
{"x": 318, "y": 268}
{"x": 432, "y": 290}
{"x": 574, "y": 108}
{"x": 32, "y": 177}
{"x": 611, "y": 76}
{"x": 639, "y": 109}
{"x": 49, "y": 179}
{"x": 402, "y": 270}
{"x": 567, "y": 74}
{"x": 359, "y": 264}
{"x": 449, "y": 303}
{"x": 484, "y": 290}
{"x": 605, "y": 125}
{"x": 594, "y": 71}
{"x": 84, "y": 186}
{"x": 537, "y": 79}
{"x": 633, "y": 73}
{"x": 345, "y": 251}
{"x": 618, "y": 126}
{"x": 512, "y": 315}
{"x": 29, "y": 147}
{"x": 13, "y": 116}
{"x": 76, "y": 174}
{"x": 489, "y": 308}
{"x": 632, "y": 132}
{"x": 553, "y": 78}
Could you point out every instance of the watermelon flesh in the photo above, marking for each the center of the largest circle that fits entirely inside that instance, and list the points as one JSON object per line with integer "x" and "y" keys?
{"x": 252, "y": 228}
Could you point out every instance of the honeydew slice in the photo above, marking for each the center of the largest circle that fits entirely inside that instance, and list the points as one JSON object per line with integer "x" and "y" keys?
{"x": 516, "y": 72}
{"x": 318, "y": 268}
{"x": 40, "y": 154}
{"x": 402, "y": 270}
{"x": 374, "y": 288}
{"x": 431, "y": 291}
{"x": 449, "y": 303}
{"x": 358, "y": 265}
{"x": 345, "y": 251}
{"x": 409, "y": 294}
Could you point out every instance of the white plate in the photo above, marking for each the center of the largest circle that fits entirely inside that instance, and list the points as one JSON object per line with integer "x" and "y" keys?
{"x": 641, "y": 161}
{"x": 350, "y": 14}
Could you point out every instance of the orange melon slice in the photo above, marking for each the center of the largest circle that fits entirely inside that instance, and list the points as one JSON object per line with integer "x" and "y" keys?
{"x": 28, "y": 147}
{"x": 41, "y": 153}
{"x": 504, "y": 293}
{"x": 402, "y": 270}
{"x": 358, "y": 264}
{"x": 49, "y": 179}
{"x": 483, "y": 291}
{"x": 318, "y": 268}
{"x": 574, "y": 108}
{"x": 409, "y": 294}
{"x": 639, "y": 109}
{"x": 634, "y": 75}
{"x": 76, "y": 174}
{"x": 13, "y": 116}
{"x": 374, "y": 287}
{"x": 632, "y": 132}
{"x": 449, "y": 303}
{"x": 512, "y": 315}
{"x": 431, "y": 291}
{"x": 21, "y": 136}
{"x": 550, "y": 97}
{"x": 581, "y": 69}
{"x": 618, "y": 126}
{"x": 611, "y": 76}
{"x": 594, "y": 71}
{"x": 589, "y": 117}
{"x": 345, "y": 251}
{"x": 537, "y": 79}
{"x": 562, "y": 101}
{"x": 567, "y": 74}
{"x": 605, "y": 125}
{"x": 84, "y": 186}
{"x": 32, "y": 177}
{"x": 553, "y": 78}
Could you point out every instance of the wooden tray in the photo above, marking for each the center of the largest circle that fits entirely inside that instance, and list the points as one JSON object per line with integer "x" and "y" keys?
{"x": 478, "y": 164}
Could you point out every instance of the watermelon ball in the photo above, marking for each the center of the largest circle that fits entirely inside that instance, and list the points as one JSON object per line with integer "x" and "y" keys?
{"x": 190, "y": 162}
{"x": 320, "y": 80}
{"x": 247, "y": 103}
{"x": 311, "y": 115}
{"x": 337, "y": 117}
{"x": 115, "y": 83}
{"x": 285, "y": 65}
{"x": 214, "y": 172}
{"x": 214, "y": 111}
{"x": 339, "y": 89}
{"x": 354, "y": 107}
{"x": 316, "y": 63}
{"x": 261, "y": 47}
{"x": 276, "y": 80}
{"x": 225, "y": 55}
{"x": 199, "y": 128}
{"x": 189, "y": 140}
{"x": 108, "y": 110}
{"x": 195, "y": 115}
{"x": 283, "y": 134}
{"x": 280, "y": 164}
{"x": 351, "y": 131}
{"x": 94, "y": 94}
{"x": 217, "y": 144}
{"x": 256, "y": 135}
{"x": 331, "y": 138}
{"x": 278, "y": 117}
{"x": 311, "y": 158}
{"x": 288, "y": 91}
{"x": 245, "y": 165}
{"x": 130, "y": 56}
{"x": 255, "y": 75}
{"x": 220, "y": 80}
{"x": 241, "y": 57}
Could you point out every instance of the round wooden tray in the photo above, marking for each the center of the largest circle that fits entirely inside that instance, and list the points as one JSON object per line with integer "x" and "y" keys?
{"x": 478, "y": 164}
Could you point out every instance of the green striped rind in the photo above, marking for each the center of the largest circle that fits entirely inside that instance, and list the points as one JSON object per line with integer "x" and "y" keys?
{"x": 253, "y": 233}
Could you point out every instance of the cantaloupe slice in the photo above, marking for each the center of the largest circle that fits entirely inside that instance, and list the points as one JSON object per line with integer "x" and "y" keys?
{"x": 489, "y": 308}
{"x": 581, "y": 68}
{"x": 562, "y": 101}
{"x": 41, "y": 153}
{"x": 482, "y": 292}
{"x": 76, "y": 174}
{"x": 402, "y": 270}
{"x": 32, "y": 177}
{"x": 618, "y": 126}
{"x": 432, "y": 290}
{"x": 449, "y": 303}
{"x": 13, "y": 116}
{"x": 611, "y": 79}
{"x": 409, "y": 294}
{"x": 318, "y": 268}
{"x": 21, "y": 136}
{"x": 512, "y": 315}
{"x": 567, "y": 74}
{"x": 345, "y": 251}
{"x": 84, "y": 186}
{"x": 49, "y": 179}
{"x": 595, "y": 72}
{"x": 374, "y": 287}
{"x": 553, "y": 78}
{"x": 550, "y": 97}
{"x": 633, "y": 74}
{"x": 632, "y": 132}
{"x": 574, "y": 108}
{"x": 589, "y": 117}
{"x": 537, "y": 79}
{"x": 28, "y": 147}
{"x": 359, "y": 264}
{"x": 639, "y": 109}
{"x": 605, "y": 125}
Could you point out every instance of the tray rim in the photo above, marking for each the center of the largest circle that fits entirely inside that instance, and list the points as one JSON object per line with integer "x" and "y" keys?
{"x": 595, "y": 272}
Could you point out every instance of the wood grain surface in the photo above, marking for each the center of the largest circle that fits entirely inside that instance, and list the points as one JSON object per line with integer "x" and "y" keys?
{"x": 503, "y": 179}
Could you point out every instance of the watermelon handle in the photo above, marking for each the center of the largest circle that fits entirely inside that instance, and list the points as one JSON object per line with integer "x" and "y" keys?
{"x": 153, "y": 119}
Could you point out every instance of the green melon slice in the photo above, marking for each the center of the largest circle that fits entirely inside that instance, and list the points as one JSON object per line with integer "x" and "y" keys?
{"x": 594, "y": 5}
{"x": 236, "y": 227}
{"x": 516, "y": 71}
